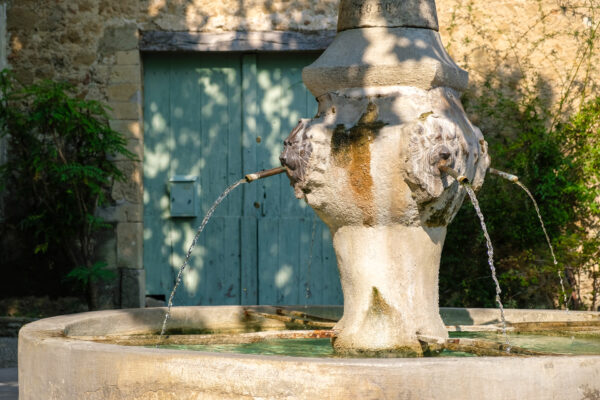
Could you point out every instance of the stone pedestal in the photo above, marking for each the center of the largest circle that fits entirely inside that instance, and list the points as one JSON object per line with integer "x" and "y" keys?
{"x": 390, "y": 282}
{"x": 369, "y": 164}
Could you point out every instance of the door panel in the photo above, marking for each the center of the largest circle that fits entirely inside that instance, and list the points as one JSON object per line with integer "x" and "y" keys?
{"x": 219, "y": 117}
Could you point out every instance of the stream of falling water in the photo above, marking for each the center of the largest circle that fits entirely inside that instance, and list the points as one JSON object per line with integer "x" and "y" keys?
{"x": 490, "y": 252}
{"x": 537, "y": 210}
{"x": 209, "y": 214}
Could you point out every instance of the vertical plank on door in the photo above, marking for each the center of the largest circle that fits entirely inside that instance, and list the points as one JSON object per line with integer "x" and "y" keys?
{"x": 184, "y": 160}
{"x": 156, "y": 172}
{"x": 268, "y": 260}
{"x": 249, "y": 130}
{"x": 249, "y": 225}
{"x": 249, "y": 260}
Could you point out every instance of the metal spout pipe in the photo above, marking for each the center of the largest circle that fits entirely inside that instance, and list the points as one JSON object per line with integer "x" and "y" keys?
{"x": 505, "y": 175}
{"x": 449, "y": 171}
{"x": 264, "y": 174}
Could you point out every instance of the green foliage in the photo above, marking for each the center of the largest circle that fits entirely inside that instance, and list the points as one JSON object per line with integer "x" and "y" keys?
{"x": 85, "y": 275}
{"x": 57, "y": 172}
{"x": 561, "y": 167}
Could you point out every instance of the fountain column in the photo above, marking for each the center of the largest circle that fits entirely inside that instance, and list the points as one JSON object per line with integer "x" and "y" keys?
{"x": 369, "y": 165}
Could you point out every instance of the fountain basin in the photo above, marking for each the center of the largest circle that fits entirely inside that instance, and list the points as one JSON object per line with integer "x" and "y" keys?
{"x": 59, "y": 360}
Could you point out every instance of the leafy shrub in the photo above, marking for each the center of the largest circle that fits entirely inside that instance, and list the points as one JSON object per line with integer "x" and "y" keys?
{"x": 561, "y": 166}
{"x": 58, "y": 171}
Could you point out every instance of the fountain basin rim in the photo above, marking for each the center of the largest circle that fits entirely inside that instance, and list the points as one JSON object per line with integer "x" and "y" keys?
{"x": 55, "y": 366}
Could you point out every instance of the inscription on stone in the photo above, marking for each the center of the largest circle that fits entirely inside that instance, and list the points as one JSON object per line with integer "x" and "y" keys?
{"x": 360, "y": 9}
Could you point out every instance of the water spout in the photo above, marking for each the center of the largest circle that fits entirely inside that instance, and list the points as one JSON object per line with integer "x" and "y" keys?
{"x": 453, "y": 173}
{"x": 505, "y": 175}
{"x": 264, "y": 174}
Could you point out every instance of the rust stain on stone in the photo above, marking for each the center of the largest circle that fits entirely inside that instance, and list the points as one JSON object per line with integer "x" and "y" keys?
{"x": 351, "y": 150}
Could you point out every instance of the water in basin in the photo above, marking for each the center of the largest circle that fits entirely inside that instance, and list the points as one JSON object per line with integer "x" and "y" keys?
{"x": 322, "y": 348}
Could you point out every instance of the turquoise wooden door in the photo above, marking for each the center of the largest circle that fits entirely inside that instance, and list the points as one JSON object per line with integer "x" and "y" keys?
{"x": 219, "y": 117}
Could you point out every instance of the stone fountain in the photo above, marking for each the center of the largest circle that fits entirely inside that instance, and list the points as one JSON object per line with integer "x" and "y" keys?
{"x": 369, "y": 163}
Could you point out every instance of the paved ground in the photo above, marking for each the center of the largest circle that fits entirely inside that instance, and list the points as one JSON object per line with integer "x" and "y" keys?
{"x": 9, "y": 384}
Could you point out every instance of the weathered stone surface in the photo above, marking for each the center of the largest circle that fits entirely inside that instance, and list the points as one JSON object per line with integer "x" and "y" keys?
{"x": 84, "y": 58}
{"x": 126, "y": 110}
{"x": 129, "y": 92}
{"x": 373, "y": 177}
{"x": 106, "y": 250}
{"x": 130, "y": 245}
{"x": 119, "y": 38}
{"x": 387, "y": 13}
{"x": 130, "y": 190}
{"x": 130, "y": 57}
{"x": 123, "y": 212}
{"x": 384, "y": 57}
{"x": 53, "y": 366}
{"x": 129, "y": 128}
{"x": 126, "y": 74}
{"x": 133, "y": 288}
{"x": 22, "y": 17}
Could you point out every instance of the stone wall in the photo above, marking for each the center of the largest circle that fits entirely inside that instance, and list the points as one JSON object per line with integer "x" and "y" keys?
{"x": 94, "y": 44}
{"x": 3, "y": 48}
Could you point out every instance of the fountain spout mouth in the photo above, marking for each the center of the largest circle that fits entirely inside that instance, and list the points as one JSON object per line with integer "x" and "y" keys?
{"x": 453, "y": 173}
{"x": 505, "y": 175}
{"x": 264, "y": 174}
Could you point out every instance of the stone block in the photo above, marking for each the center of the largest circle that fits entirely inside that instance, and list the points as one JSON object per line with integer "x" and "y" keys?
{"x": 133, "y": 288}
{"x": 133, "y": 145}
{"x": 130, "y": 57}
{"x": 119, "y": 38}
{"x": 126, "y": 74}
{"x": 84, "y": 58}
{"x": 125, "y": 110}
{"x": 129, "y": 92}
{"x": 100, "y": 73}
{"x": 106, "y": 250}
{"x": 128, "y": 128}
{"x": 152, "y": 302}
{"x": 130, "y": 243}
{"x": 108, "y": 294}
{"x": 124, "y": 212}
{"x": 21, "y": 18}
{"x": 131, "y": 189}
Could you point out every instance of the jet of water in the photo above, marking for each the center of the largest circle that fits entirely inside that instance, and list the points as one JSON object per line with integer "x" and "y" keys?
{"x": 490, "y": 252}
{"x": 515, "y": 179}
{"x": 207, "y": 217}
{"x": 537, "y": 210}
